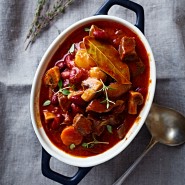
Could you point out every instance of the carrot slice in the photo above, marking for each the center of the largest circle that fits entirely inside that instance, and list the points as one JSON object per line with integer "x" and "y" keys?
{"x": 70, "y": 136}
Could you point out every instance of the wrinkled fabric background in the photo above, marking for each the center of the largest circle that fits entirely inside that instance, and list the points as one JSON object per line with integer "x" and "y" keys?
{"x": 20, "y": 150}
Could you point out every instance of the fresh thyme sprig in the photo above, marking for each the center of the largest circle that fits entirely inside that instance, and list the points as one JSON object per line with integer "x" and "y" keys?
{"x": 105, "y": 89}
{"x": 92, "y": 143}
{"x": 63, "y": 90}
{"x": 43, "y": 19}
{"x": 35, "y": 22}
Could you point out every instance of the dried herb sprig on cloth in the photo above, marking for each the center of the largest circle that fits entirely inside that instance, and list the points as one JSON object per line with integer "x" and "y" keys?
{"x": 44, "y": 15}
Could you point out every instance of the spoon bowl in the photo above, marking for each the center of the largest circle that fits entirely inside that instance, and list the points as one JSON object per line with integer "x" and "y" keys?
{"x": 166, "y": 126}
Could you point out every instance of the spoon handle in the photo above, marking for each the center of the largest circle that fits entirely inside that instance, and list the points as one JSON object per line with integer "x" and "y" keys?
{"x": 132, "y": 167}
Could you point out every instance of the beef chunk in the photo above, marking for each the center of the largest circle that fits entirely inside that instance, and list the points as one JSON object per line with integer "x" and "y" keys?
{"x": 82, "y": 124}
{"x": 93, "y": 85}
{"x": 127, "y": 48}
{"x": 64, "y": 103}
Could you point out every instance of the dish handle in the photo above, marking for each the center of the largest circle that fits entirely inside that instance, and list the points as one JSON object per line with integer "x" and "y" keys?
{"x": 138, "y": 9}
{"x": 49, "y": 173}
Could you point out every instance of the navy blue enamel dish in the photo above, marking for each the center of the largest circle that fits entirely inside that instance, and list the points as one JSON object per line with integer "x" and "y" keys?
{"x": 49, "y": 150}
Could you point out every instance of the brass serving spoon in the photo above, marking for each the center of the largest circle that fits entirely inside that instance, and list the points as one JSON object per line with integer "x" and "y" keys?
{"x": 166, "y": 126}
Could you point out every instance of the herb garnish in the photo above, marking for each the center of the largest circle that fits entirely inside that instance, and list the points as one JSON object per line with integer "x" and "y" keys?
{"x": 46, "y": 103}
{"x": 105, "y": 89}
{"x": 45, "y": 13}
{"x": 72, "y": 146}
{"x": 65, "y": 90}
{"x": 72, "y": 48}
{"x": 92, "y": 143}
{"x": 87, "y": 29}
{"x": 109, "y": 128}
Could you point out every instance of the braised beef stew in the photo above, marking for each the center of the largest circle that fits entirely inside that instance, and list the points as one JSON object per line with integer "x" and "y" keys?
{"x": 94, "y": 88}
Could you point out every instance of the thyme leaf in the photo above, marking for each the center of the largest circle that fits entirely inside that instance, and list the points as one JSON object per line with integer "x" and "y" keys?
{"x": 87, "y": 29}
{"x": 62, "y": 90}
{"x": 46, "y": 103}
{"x": 60, "y": 84}
{"x": 72, "y": 48}
{"x": 72, "y": 146}
{"x": 109, "y": 128}
{"x": 65, "y": 92}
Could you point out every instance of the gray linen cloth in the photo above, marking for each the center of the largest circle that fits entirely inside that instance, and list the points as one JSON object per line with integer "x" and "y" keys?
{"x": 20, "y": 150}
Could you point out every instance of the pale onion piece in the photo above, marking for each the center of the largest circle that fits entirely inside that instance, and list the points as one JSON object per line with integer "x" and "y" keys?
{"x": 116, "y": 89}
{"x": 75, "y": 93}
{"x": 93, "y": 85}
{"x": 48, "y": 115}
{"x": 88, "y": 94}
{"x": 96, "y": 72}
